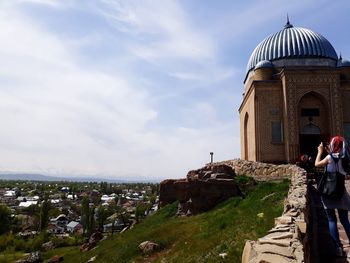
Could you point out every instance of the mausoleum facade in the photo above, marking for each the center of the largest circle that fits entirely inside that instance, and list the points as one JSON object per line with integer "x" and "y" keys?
{"x": 296, "y": 94}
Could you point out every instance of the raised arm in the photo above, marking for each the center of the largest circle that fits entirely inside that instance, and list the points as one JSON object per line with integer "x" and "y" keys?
{"x": 318, "y": 161}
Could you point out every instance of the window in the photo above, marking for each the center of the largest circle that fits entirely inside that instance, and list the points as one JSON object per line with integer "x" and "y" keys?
{"x": 276, "y": 132}
{"x": 347, "y": 131}
{"x": 310, "y": 112}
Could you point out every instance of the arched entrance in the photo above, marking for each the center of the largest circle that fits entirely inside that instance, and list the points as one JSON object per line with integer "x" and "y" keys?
{"x": 313, "y": 123}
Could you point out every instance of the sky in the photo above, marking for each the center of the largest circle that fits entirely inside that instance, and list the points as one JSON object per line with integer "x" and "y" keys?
{"x": 138, "y": 90}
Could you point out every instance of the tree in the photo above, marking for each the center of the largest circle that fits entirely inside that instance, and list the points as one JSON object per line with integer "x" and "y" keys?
{"x": 5, "y": 219}
{"x": 113, "y": 218}
{"x": 140, "y": 211}
{"x": 153, "y": 198}
{"x": 91, "y": 227}
{"x": 102, "y": 214}
{"x": 44, "y": 213}
{"x": 103, "y": 187}
{"x": 87, "y": 217}
{"x": 120, "y": 214}
{"x": 85, "y": 214}
{"x": 31, "y": 210}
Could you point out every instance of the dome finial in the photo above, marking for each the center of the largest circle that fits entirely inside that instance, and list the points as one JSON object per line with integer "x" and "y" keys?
{"x": 340, "y": 60}
{"x": 288, "y": 24}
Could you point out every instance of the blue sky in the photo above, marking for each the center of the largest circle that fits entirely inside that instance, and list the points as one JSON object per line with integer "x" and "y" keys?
{"x": 134, "y": 89}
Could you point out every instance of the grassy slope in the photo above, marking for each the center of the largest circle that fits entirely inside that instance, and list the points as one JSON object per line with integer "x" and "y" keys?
{"x": 199, "y": 238}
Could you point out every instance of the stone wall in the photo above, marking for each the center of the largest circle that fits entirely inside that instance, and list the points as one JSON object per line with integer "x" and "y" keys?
{"x": 261, "y": 171}
{"x": 285, "y": 241}
{"x": 299, "y": 235}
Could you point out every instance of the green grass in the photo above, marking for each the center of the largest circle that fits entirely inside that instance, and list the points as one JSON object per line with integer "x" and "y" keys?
{"x": 199, "y": 238}
{"x": 10, "y": 256}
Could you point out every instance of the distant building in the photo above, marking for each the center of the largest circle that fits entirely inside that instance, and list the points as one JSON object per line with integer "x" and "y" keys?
{"x": 118, "y": 226}
{"x": 106, "y": 198}
{"x": 10, "y": 193}
{"x": 58, "y": 225}
{"x": 27, "y": 203}
{"x": 65, "y": 189}
{"x": 55, "y": 201}
{"x": 296, "y": 94}
{"x": 73, "y": 227}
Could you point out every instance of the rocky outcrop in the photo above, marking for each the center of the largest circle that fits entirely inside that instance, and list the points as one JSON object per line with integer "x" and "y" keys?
{"x": 92, "y": 242}
{"x": 204, "y": 188}
{"x": 92, "y": 259}
{"x": 201, "y": 190}
{"x": 48, "y": 246}
{"x": 32, "y": 257}
{"x": 55, "y": 259}
{"x": 148, "y": 247}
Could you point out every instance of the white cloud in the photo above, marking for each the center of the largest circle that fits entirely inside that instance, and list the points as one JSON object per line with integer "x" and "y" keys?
{"x": 206, "y": 76}
{"x": 165, "y": 36}
{"x": 167, "y": 24}
{"x": 51, "y": 3}
{"x": 49, "y": 106}
{"x": 61, "y": 116}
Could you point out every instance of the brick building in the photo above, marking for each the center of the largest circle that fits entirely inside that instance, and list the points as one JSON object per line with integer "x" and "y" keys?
{"x": 296, "y": 94}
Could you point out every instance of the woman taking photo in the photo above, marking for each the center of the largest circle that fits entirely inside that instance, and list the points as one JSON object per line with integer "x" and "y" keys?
{"x": 337, "y": 152}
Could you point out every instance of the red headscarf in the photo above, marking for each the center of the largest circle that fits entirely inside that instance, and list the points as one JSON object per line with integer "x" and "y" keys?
{"x": 338, "y": 147}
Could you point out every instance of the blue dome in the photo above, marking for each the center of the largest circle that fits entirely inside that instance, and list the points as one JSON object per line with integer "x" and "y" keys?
{"x": 264, "y": 64}
{"x": 292, "y": 42}
{"x": 345, "y": 63}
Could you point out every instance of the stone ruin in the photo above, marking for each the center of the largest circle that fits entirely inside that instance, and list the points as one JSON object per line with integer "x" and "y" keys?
{"x": 206, "y": 187}
{"x": 201, "y": 190}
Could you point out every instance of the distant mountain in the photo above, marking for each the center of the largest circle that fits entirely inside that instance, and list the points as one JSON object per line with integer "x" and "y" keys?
{"x": 40, "y": 177}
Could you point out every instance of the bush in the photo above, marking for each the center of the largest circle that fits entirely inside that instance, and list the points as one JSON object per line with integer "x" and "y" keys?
{"x": 5, "y": 219}
{"x": 19, "y": 244}
{"x": 30, "y": 244}
{"x": 245, "y": 183}
{"x": 6, "y": 241}
{"x": 244, "y": 180}
{"x": 74, "y": 240}
{"x": 34, "y": 243}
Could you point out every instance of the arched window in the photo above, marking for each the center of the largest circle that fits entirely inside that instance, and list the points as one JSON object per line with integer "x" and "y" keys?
{"x": 246, "y": 117}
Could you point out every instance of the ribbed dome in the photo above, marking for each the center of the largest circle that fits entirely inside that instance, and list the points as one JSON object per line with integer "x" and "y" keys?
{"x": 292, "y": 42}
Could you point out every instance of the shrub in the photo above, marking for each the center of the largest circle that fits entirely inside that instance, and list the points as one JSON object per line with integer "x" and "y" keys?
{"x": 74, "y": 240}
{"x": 245, "y": 183}
{"x": 33, "y": 243}
{"x": 19, "y": 244}
{"x": 6, "y": 241}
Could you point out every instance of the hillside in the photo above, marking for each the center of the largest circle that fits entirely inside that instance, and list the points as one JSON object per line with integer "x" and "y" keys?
{"x": 199, "y": 238}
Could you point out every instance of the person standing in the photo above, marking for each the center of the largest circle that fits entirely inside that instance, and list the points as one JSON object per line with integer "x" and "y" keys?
{"x": 337, "y": 152}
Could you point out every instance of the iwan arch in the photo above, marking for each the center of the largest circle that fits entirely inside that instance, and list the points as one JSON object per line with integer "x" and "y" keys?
{"x": 296, "y": 94}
